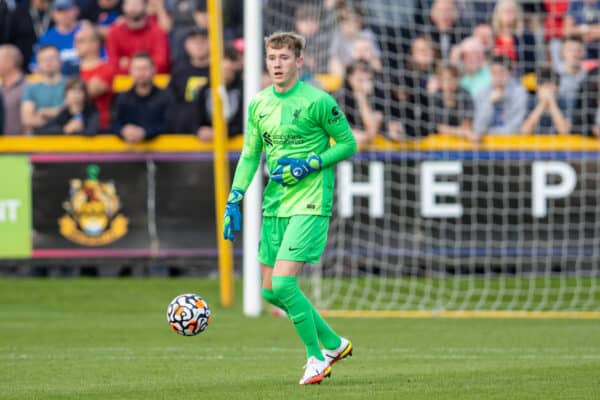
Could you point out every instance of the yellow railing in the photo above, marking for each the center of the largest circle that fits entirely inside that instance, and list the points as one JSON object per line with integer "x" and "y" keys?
{"x": 189, "y": 143}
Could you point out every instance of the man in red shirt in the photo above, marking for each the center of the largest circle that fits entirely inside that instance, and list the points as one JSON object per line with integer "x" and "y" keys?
{"x": 136, "y": 33}
{"x": 97, "y": 75}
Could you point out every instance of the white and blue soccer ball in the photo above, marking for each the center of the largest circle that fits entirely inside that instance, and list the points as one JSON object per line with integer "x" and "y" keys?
{"x": 188, "y": 314}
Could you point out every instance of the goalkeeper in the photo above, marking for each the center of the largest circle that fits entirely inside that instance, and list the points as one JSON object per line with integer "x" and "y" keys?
{"x": 293, "y": 123}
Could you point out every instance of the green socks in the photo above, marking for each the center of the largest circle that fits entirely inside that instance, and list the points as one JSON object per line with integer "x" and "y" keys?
{"x": 309, "y": 324}
{"x": 327, "y": 336}
{"x": 300, "y": 312}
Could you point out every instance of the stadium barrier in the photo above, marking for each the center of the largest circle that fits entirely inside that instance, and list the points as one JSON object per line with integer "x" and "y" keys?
{"x": 73, "y": 197}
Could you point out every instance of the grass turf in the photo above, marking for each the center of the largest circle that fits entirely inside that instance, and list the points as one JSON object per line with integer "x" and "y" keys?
{"x": 108, "y": 339}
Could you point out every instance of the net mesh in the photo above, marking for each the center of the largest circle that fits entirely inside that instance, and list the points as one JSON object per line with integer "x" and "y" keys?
{"x": 473, "y": 219}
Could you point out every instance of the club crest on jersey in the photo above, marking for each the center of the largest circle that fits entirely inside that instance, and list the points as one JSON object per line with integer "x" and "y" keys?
{"x": 297, "y": 113}
{"x": 92, "y": 217}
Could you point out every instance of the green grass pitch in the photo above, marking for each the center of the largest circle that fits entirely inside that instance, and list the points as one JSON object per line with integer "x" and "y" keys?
{"x": 108, "y": 339}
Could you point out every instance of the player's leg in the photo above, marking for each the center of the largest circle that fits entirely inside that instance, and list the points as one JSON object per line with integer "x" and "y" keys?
{"x": 300, "y": 311}
{"x": 305, "y": 240}
{"x": 267, "y": 288}
{"x": 285, "y": 287}
{"x": 272, "y": 231}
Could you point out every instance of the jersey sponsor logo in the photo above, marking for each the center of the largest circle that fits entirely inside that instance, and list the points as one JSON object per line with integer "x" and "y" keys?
{"x": 336, "y": 116}
{"x": 282, "y": 139}
{"x": 267, "y": 138}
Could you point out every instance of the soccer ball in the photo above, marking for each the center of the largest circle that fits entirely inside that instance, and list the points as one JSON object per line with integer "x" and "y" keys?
{"x": 188, "y": 314}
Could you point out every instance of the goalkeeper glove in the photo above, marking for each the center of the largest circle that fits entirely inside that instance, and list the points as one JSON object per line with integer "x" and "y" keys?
{"x": 292, "y": 170}
{"x": 232, "y": 221}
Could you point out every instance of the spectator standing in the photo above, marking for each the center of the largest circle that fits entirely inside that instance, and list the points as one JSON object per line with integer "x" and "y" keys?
{"x": 512, "y": 40}
{"x": 501, "y": 107}
{"x": 234, "y": 109}
{"x": 28, "y": 22}
{"x": 43, "y": 100}
{"x": 412, "y": 89}
{"x": 141, "y": 112}
{"x": 13, "y": 86}
{"x": 188, "y": 77}
{"x": 62, "y": 35}
{"x": 102, "y": 13}
{"x": 571, "y": 72}
{"x": 363, "y": 49}
{"x": 470, "y": 55}
{"x": 583, "y": 19}
{"x": 485, "y": 34}
{"x": 547, "y": 112}
{"x": 97, "y": 74}
{"x": 586, "y": 119}
{"x": 556, "y": 12}
{"x": 136, "y": 33}
{"x": 316, "y": 31}
{"x": 182, "y": 16}
{"x": 442, "y": 27}
{"x": 351, "y": 24}
{"x": 78, "y": 115}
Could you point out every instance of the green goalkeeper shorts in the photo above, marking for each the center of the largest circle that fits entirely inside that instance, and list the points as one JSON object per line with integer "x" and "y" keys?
{"x": 297, "y": 238}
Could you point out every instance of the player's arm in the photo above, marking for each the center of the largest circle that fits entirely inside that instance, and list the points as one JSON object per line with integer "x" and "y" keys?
{"x": 244, "y": 173}
{"x": 333, "y": 121}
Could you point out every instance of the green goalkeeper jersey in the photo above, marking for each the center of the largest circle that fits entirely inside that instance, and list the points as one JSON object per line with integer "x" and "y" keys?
{"x": 294, "y": 124}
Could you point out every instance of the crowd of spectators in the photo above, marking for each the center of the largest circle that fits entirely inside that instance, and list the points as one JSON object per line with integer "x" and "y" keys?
{"x": 462, "y": 68}
{"x": 60, "y": 59}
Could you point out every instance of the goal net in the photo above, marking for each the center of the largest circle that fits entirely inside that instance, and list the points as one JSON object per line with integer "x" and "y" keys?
{"x": 461, "y": 219}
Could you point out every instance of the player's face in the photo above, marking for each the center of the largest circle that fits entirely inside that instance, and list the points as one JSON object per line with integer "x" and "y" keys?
{"x": 283, "y": 66}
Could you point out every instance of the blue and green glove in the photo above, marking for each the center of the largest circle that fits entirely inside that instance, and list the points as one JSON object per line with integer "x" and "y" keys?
{"x": 292, "y": 170}
{"x": 232, "y": 221}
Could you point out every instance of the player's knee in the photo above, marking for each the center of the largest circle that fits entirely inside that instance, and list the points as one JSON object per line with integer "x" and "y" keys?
{"x": 269, "y": 296}
{"x": 284, "y": 289}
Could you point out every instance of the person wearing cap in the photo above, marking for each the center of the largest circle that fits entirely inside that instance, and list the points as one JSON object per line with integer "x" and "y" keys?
{"x": 188, "y": 77}
{"x": 136, "y": 33}
{"x": 62, "y": 35}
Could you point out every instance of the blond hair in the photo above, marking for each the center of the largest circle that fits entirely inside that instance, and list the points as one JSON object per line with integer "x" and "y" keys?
{"x": 291, "y": 40}
{"x": 496, "y": 24}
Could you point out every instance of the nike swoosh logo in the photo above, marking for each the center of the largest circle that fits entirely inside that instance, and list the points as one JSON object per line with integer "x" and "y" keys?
{"x": 262, "y": 115}
{"x": 293, "y": 248}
